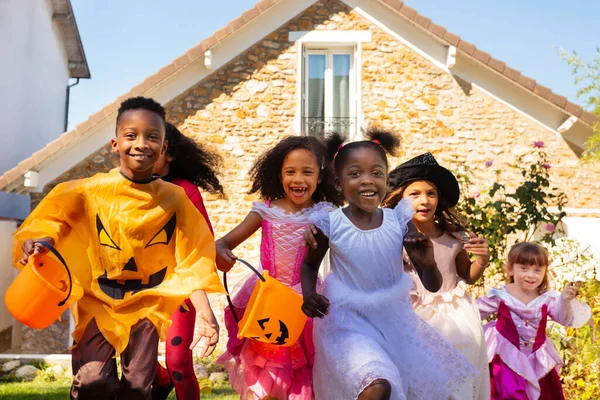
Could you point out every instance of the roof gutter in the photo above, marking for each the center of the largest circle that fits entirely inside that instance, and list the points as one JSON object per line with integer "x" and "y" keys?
{"x": 67, "y": 104}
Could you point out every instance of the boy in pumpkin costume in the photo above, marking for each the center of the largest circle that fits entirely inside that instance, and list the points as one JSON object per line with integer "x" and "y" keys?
{"x": 138, "y": 247}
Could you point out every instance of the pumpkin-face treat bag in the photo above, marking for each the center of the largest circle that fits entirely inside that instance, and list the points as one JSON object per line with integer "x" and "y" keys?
{"x": 137, "y": 246}
{"x": 295, "y": 181}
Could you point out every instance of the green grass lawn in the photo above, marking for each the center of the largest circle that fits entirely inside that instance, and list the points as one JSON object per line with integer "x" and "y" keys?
{"x": 60, "y": 391}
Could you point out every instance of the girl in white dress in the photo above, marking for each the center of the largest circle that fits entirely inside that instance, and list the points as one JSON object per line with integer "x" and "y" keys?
{"x": 369, "y": 343}
{"x": 433, "y": 191}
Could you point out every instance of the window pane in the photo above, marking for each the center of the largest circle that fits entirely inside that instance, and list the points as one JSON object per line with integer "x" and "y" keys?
{"x": 316, "y": 86}
{"x": 341, "y": 92}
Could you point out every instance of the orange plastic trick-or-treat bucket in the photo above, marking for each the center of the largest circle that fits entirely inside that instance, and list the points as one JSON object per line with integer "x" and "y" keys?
{"x": 43, "y": 290}
{"x": 274, "y": 312}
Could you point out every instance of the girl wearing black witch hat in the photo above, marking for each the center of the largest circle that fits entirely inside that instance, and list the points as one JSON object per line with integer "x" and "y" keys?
{"x": 433, "y": 191}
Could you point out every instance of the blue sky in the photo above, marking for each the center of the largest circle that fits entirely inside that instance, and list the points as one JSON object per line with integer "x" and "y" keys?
{"x": 127, "y": 40}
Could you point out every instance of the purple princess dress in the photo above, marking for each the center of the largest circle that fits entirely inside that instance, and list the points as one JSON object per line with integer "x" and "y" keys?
{"x": 524, "y": 364}
{"x": 256, "y": 369}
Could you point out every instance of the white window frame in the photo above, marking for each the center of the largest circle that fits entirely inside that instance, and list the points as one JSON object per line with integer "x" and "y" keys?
{"x": 329, "y": 53}
{"x": 308, "y": 41}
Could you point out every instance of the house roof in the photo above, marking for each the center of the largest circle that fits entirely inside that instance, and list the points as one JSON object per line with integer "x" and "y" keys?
{"x": 63, "y": 17}
{"x": 16, "y": 174}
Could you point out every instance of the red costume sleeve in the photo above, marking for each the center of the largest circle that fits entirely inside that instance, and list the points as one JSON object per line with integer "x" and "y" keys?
{"x": 195, "y": 197}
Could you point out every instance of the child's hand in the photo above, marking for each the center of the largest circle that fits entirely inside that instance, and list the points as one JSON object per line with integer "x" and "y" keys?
{"x": 570, "y": 291}
{"x": 478, "y": 246}
{"x": 225, "y": 259}
{"x": 207, "y": 334}
{"x": 315, "y": 305}
{"x": 309, "y": 236}
{"x": 31, "y": 246}
{"x": 420, "y": 249}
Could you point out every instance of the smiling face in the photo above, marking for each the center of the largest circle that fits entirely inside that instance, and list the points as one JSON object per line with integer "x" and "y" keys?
{"x": 140, "y": 140}
{"x": 424, "y": 197}
{"x": 363, "y": 178}
{"x": 300, "y": 177}
{"x": 527, "y": 277}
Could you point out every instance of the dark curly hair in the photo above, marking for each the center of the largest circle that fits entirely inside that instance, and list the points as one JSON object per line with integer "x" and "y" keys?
{"x": 382, "y": 141}
{"x": 192, "y": 161}
{"x": 144, "y": 103}
{"x": 266, "y": 171}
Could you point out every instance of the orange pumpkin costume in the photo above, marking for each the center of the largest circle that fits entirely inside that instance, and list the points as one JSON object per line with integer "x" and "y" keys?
{"x": 138, "y": 249}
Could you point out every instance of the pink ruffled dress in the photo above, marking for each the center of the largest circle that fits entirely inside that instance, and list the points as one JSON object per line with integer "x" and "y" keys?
{"x": 453, "y": 314}
{"x": 524, "y": 363}
{"x": 257, "y": 369}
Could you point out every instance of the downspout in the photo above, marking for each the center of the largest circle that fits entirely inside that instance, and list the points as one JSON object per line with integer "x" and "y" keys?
{"x": 67, "y": 104}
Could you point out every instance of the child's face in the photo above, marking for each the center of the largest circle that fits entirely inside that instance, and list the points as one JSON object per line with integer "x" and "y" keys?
{"x": 363, "y": 179}
{"x": 161, "y": 168}
{"x": 424, "y": 197}
{"x": 527, "y": 277}
{"x": 300, "y": 176}
{"x": 140, "y": 141}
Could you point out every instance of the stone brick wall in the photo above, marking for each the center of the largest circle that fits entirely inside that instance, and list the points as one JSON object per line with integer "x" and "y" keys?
{"x": 248, "y": 105}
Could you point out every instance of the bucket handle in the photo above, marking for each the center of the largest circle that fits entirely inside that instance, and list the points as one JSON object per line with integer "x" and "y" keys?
{"x": 262, "y": 278}
{"x": 62, "y": 260}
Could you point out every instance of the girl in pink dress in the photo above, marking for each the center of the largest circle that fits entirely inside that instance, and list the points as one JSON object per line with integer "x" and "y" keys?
{"x": 295, "y": 181}
{"x": 524, "y": 364}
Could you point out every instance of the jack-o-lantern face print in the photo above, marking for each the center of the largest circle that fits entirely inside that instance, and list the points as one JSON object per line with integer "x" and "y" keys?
{"x": 274, "y": 331}
{"x": 138, "y": 271}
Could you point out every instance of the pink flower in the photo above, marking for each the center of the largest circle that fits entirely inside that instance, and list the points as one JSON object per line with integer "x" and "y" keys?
{"x": 489, "y": 163}
{"x": 546, "y": 165}
{"x": 475, "y": 195}
{"x": 550, "y": 227}
{"x": 538, "y": 144}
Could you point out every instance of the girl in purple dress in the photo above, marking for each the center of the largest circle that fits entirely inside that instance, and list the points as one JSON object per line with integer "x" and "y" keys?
{"x": 524, "y": 364}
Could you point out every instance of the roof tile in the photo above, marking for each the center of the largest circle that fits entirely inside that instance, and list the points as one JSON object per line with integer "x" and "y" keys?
{"x": 542, "y": 91}
{"x": 408, "y": 12}
{"x": 574, "y": 109}
{"x": 54, "y": 146}
{"x": 26, "y": 164}
{"x": 198, "y": 50}
{"x": 526, "y": 82}
{"x": 512, "y": 73}
{"x": 237, "y": 24}
{"x": 395, "y": 4}
{"x": 3, "y": 182}
{"x": 223, "y": 33}
{"x": 467, "y": 47}
{"x": 560, "y": 101}
{"x": 12, "y": 174}
{"x": 437, "y": 30}
{"x": 97, "y": 117}
{"x": 40, "y": 155}
{"x": 182, "y": 61}
{"x": 167, "y": 70}
{"x": 111, "y": 108}
{"x": 423, "y": 21}
{"x": 263, "y": 5}
{"x": 482, "y": 56}
{"x": 250, "y": 14}
{"x": 451, "y": 38}
{"x": 496, "y": 64}
{"x": 588, "y": 117}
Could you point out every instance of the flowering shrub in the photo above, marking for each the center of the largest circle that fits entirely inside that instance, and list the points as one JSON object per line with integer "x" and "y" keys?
{"x": 504, "y": 215}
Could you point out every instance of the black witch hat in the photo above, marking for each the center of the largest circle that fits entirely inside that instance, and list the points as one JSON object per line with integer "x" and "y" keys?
{"x": 426, "y": 168}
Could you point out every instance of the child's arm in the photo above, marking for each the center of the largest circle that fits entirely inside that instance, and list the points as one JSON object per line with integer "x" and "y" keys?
{"x": 225, "y": 258}
{"x": 50, "y": 221}
{"x": 315, "y": 305}
{"x": 568, "y": 311}
{"x": 420, "y": 250}
{"x": 488, "y": 305}
{"x": 472, "y": 271}
{"x": 207, "y": 327}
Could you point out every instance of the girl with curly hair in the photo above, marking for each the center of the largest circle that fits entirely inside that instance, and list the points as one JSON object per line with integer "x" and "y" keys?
{"x": 190, "y": 165}
{"x": 294, "y": 181}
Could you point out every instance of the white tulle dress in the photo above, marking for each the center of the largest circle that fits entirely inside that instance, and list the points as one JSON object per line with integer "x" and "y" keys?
{"x": 371, "y": 331}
